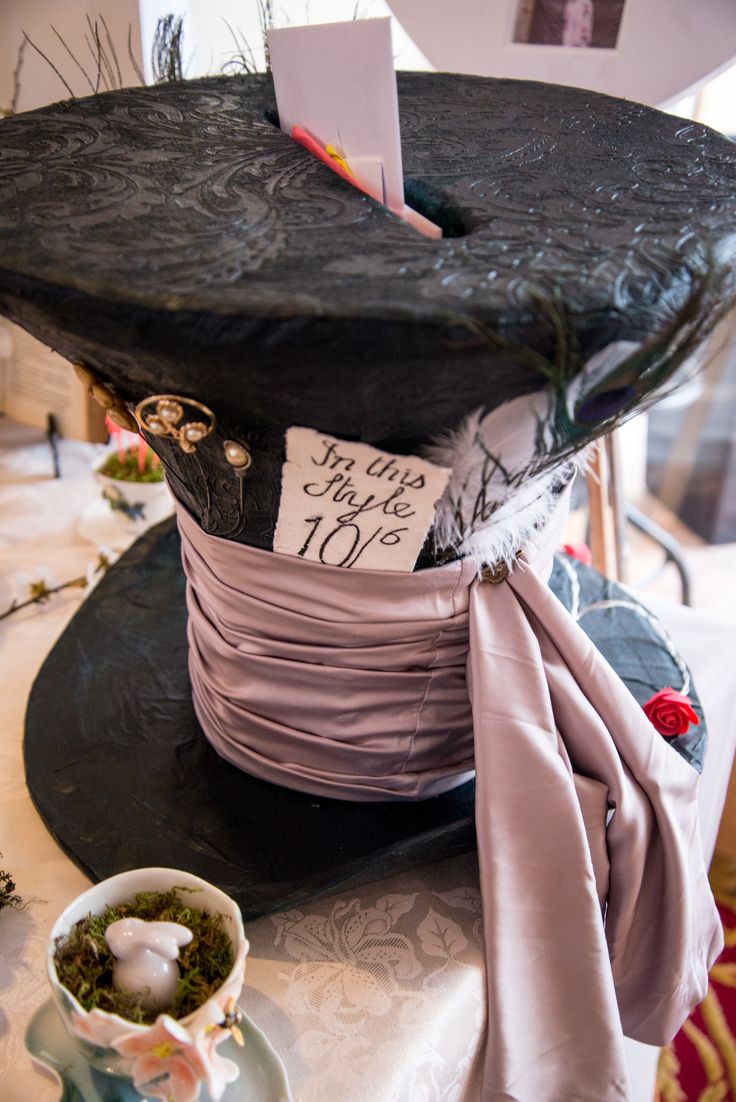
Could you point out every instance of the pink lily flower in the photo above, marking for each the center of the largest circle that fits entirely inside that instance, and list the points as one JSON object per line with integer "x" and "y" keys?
{"x": 167, "y": 1061}
{"x": 208, "y": 1034}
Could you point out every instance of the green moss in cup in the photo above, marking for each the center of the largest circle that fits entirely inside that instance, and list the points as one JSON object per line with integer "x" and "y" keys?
{"x": 84, "y": 963}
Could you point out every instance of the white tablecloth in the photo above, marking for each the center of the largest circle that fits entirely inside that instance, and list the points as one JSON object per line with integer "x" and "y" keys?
{"x": 373, "y": 995}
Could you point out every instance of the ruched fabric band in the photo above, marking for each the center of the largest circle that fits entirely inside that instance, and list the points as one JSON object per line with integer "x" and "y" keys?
{"x": 598, "y": 918}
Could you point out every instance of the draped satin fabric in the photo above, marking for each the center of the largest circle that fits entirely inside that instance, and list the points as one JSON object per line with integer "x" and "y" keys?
{"x": 598, "y": 918}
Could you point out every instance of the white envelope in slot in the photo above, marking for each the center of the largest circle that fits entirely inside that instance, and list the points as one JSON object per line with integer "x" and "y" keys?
{"x": 368, "y": 172}
{"x": 337, "y": 81}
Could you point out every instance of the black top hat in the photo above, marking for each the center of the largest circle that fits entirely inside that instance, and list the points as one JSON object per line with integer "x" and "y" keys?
{"x": 175, "y": 242}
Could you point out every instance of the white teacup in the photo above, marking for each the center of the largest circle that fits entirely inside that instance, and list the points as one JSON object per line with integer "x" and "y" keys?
{"x": 173, "y": 1051}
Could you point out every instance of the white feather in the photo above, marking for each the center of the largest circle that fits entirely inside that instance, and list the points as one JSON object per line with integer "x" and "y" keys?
{"x": 492, "y": 505}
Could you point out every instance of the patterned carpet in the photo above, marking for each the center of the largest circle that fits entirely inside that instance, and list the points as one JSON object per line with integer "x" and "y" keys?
{"x": 700, "y": 1064}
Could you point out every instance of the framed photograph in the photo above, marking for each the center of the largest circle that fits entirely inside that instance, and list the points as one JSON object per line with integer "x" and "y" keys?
{"x": 653, "y": 51}
{"x": 581, "y": 23}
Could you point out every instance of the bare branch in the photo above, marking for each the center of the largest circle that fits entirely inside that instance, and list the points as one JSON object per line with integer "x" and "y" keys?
{"x": 76, "y": 61}
{"x": 166, "y": 59}
{"x": 133, "y": 61}
{"x": 50, "y": 63}
{"x": 113, "y": 52}
{"x": 265, "y": 16}
{"x": 243, "y": 59}
{"x": 16, "y": 77}
{"x": 105, "y": 67}
{"x": 97, "y": 55}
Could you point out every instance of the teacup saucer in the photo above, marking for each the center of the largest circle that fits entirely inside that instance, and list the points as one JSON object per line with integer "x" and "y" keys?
{"x": 262, "y": 1075}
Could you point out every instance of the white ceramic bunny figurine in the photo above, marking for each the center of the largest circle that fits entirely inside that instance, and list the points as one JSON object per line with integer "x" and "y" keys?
{"x": 146, "y": 955}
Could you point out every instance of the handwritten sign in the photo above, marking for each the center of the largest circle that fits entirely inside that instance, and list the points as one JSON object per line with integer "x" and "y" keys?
{"x": 347, "y": 504}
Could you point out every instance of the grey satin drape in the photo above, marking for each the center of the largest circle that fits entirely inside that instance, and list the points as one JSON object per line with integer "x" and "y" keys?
{"x": 598, "y": 919}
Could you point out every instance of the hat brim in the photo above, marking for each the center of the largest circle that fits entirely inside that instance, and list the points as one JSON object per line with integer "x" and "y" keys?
{"x": 123, "y": 776}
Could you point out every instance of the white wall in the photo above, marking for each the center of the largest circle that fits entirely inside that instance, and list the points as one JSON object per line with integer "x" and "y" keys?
{"x": 39, "y": 84}
{"x": 717, "y": 103}
{"x": 665, "y": 47}
{"x": 209, "y": 44}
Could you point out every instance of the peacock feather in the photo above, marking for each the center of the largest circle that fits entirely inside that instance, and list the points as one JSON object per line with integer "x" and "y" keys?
{"x": 508, "y": 465}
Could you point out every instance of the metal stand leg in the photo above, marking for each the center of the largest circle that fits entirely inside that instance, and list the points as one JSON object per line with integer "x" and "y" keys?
{"x": 609, "y": 513}
{"x": 52, "y": 436}
{"x": 670, "y": 546}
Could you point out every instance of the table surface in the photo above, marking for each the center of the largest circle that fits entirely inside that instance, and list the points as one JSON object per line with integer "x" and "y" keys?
{"x": 361, "y": 993}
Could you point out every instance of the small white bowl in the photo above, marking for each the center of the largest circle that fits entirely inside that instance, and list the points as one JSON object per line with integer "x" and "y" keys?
{"x": 137, "y": 504}
{"x": 97, "y": 1032}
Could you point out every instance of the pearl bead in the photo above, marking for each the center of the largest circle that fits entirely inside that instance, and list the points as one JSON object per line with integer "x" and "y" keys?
{"x": 195, "y": 431}
{"x": 155, "y": 425}
{"x": 236, "y": 454}
{"x": 170, "y": 412}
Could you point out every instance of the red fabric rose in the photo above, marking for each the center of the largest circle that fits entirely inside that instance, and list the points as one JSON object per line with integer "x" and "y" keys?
{"x": 579, "y": 551}
{"x": 670, "y": 712}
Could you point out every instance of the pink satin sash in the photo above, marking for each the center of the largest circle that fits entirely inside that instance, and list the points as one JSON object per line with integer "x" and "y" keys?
{"x": 376, "y": 686}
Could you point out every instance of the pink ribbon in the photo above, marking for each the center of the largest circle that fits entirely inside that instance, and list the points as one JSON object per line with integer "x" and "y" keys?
{"x": 598, "y": 917}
